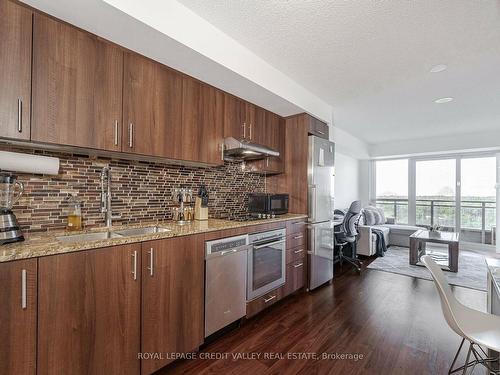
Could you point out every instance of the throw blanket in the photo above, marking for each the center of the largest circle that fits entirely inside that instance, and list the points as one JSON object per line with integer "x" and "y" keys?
{"x": 381, "y": 245}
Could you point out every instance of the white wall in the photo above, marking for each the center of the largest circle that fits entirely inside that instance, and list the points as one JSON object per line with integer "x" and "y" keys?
{"x": 347, "y": 177}
{"x": 350, "y": 156}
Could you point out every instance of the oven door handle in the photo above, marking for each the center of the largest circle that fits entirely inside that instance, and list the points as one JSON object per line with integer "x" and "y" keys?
{"x": 268, "y": 244}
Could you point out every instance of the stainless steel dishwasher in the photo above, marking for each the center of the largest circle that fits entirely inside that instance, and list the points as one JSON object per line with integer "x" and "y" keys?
{"x": 225, "y": 281}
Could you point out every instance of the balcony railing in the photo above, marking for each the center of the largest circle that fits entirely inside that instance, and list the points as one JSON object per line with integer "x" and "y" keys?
{"x": 477, "y": 218}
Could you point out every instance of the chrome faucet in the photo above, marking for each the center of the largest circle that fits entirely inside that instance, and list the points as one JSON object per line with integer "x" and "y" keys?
{"x": 106, "y": 196}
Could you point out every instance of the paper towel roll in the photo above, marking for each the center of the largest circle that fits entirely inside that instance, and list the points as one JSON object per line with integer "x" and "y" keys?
{"x": 25, "y": 163}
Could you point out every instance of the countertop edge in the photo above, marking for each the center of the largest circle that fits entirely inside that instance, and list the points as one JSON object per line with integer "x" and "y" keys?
{"x": 46, "y": 244}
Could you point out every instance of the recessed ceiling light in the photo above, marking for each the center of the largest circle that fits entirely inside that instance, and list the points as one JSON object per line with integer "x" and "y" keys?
{"x": 439, "y": 68}
{"x": 443, "y": 100}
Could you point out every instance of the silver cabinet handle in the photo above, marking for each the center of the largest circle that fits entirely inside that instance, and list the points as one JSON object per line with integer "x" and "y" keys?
{"x": 116, "y": 132}
{"x": 222, "y": 151}
{"x": 131, "y": 135}
{"x": 250, "y": 130}
{"x": 244, "y": 130}
{"x": 298, "y": 265}
{"x": 267, "y": 161}
{"x": 269, "y": 299}
{"x": 134, "y": 264}
{"x": 298, "y": 251}
{"x": 19, "y": 115}
{"x": 298, "y": 237}
{"x": 24, "y": 296}
{"x": 151, "y": 260}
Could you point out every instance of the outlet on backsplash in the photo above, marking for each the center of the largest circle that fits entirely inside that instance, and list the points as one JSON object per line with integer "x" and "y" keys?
{"x": 141, "y": 190}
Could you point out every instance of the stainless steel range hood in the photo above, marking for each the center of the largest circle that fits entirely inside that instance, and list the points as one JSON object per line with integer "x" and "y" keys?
{"x": 241, "y": 149}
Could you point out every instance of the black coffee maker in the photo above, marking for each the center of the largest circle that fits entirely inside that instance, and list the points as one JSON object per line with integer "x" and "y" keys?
{"x": 10, "y": 192}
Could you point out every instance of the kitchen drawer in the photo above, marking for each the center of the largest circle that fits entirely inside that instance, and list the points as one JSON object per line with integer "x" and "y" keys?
{"x": 296, "y": 226}
{"x": 295, "y": 277}
{"x": 295, "y": 254}
{"x": 261, "y": 303}
{"x": 296, "y": 239}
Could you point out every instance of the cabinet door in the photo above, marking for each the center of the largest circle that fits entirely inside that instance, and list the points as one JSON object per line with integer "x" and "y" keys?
{"x": 152, "y": 108}
{"x": 89, "y": 312}
{"x": 15, "y": 70}
{"x": 202, "y": 122}
{"x": 234, "y": 117}
{"x": 18, "y": 317}
{"x": 273, "y": 132}
{"x": 249, "y": 121}
{"x": 172, "y": 297}
{"x": 259, "y": 128}
{"x": 294, "y": 276}
{"x": 77, "y": 87}
{"x": 317, "y": 127}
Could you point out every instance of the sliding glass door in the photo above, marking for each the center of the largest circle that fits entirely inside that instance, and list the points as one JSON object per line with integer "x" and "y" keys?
{"x": 436, "y": 193}
{"x": 456, "y": 193}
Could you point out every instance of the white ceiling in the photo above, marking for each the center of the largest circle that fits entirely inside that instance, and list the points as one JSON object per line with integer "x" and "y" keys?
{"x": 371, "y": 59}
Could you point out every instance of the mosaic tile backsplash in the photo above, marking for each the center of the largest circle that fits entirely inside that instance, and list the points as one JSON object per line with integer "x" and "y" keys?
{"x": 141, "y": 190}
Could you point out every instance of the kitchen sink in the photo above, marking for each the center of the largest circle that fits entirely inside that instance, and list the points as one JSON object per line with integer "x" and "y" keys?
{"x": 86, "y": 237}
{"x": 141, "y": 231}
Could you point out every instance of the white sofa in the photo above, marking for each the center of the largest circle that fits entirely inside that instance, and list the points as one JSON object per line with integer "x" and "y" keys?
{"x": 394, "y": 234}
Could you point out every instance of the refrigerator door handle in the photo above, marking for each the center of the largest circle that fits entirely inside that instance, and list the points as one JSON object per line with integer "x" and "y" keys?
{"x": 313, "y": 202}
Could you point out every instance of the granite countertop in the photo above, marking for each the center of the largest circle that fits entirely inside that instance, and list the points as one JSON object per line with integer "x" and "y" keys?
{"x": 46, "y": 243}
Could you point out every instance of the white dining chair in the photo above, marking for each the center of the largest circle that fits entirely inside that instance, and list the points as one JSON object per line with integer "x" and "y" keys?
{"x": 478, "y": 328}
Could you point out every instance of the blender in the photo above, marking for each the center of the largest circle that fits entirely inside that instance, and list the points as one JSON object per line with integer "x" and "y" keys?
{"x": 10, "y": 192}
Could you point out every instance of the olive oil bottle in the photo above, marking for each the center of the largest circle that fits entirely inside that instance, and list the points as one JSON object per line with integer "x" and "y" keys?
{"x": 74, "y": 214}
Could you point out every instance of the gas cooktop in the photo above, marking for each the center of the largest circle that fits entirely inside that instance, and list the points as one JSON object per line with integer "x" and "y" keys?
{"x": 251, "y": 217}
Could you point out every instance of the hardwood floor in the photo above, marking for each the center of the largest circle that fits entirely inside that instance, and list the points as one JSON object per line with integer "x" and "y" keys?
{"x": 394, "y": 321}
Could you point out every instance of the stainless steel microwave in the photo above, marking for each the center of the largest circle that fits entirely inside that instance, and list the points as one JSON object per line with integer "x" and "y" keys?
{"x": 266, "y": 203}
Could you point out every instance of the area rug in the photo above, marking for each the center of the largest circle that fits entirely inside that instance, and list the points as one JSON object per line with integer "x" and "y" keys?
{"x": 471, "y": 273}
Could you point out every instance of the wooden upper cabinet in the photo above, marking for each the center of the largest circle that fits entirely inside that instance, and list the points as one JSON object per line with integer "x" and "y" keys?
{"x": 89, "y": 312}
{"x": 258, "y": 127}
{"x": 249, "y": 121}
{"x": 152, "y": 108}
{"x": 272, "y": 134}
{"x": 18, "y": 317}
{"x": 202, "y": 122}
{"x": 15, "y": 70}
{"x": 234, "y": 117}
{"x": 77, "y": 87}
{"x": 316, "y": 127}
{"x": 172, "y": 298}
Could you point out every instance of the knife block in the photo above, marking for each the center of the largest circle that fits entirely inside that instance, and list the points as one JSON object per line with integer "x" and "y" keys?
{"x": 200, "y": 213}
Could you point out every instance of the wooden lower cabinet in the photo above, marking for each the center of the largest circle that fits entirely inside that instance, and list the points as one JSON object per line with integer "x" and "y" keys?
{"x": 18, "y": 280}
{"x": 295, "y": 276}
{"x": 89, "y": 312}
{"x": 261, "y": 303}
{"x": 172, "y": 298}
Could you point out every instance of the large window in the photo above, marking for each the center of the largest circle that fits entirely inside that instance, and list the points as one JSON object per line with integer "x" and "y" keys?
{"x": 456, "y": 193}
{"x": 392, "y": 188}
{"x": 435, "y": 192}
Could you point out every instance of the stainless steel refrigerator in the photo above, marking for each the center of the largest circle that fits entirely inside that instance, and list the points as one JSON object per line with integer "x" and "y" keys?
{"x": 320, "y": 173}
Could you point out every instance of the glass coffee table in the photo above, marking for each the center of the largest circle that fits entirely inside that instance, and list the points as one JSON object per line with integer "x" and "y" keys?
{"x": 418, "y": 248}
